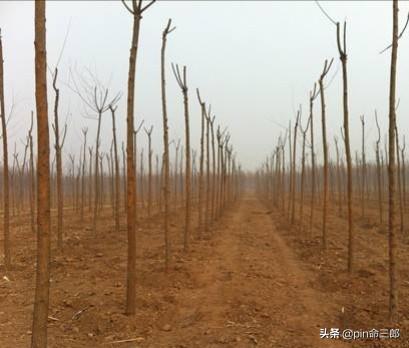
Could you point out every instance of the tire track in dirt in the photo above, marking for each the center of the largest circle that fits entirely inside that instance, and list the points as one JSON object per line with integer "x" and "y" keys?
{"x": 249, "y": 290}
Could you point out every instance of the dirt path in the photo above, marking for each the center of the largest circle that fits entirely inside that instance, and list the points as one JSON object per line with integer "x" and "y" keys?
{"x": 248, "y": 290}
{"x": 241, "y": 287}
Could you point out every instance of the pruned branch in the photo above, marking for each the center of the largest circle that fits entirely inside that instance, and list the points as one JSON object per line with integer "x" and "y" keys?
{"x": 181, "y": 80}
{"x": 143, "y": 9}
{"x": 399, "y": 36}
{"x": 148, "y": 131}
{"x": 128, "y": 8}
{"x": 325, "y": 13}
{"x": 168, "y": 28}
{"x": 198, "y": 97}
{"x": 377, "y": 126}
{"x": 139, "y": 128}
{"x": 342, "y": 50}
{"x": 326, "y": 68}
{"x": 313, "y": 95}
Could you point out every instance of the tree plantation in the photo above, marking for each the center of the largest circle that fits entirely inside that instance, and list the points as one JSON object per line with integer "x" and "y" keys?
{"x": 166, "y": 193}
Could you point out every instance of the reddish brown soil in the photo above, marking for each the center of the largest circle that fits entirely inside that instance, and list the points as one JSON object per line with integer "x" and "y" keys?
{"x": 253, "y": 281}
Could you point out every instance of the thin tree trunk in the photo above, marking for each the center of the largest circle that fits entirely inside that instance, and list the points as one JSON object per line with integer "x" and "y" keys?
{"x": 142, "y": 177}
{"x": 90, "y": 179}
{"x": 378, "y": 172}
{"x": 343, "y": 58}
{"x": 363, "y": 174}
{"x": 182, "y": 82}
{"x": 117, "y": 174}
{"x": 166, "y": 186}
{"x": 313, "y": 95}
{"x": 124, "y": 173}
{"x": 304, "y": 135}
{"x": 111, "y": 178}
{"x": 84, "y": 160}
{"x": 293, "y": 172}
{"x": 32, "y": 177}
{"x": 97, "y": 192}
{"x": 325, "y": 152}
{"x": 130, "y": 177}
{"x": 149, "y": 134}
{"x": 175, "y": 174}
{"x": 403, "y": 173}
{"x": 207, "y": 211}
{"x": 201, "y": 188}
{"x": 399, "y": 180}
{"x": 58, "y": 148}
{"x": 393, "y": 291}
{"x": 213, "y": 216}
{"x": 41, "y": 299}
{"x": 339, "y": 196}
{"x": 6, "y": 186}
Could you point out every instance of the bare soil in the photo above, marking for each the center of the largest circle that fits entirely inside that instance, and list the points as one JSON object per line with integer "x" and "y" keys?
{"x": 253, "y": 280}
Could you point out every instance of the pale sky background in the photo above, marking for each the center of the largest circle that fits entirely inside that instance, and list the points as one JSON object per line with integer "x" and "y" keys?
{"x": 254, "y": 61}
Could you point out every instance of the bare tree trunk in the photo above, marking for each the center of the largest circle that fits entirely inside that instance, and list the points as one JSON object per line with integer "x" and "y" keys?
{"x": 41, "y": 299}
{"x": 182, "y": 82}
{"x": 117, "y": 174}
{"x": 313, "y": 95}
{"x": 283, "y": 173}
{"x": 124, "y": 174}
{"x": 399, "y": 179}
{"x": 338, "y": 179}
{"x": 182, "y": 189}
{"x": 213, "y": 216}
{"x": 17, "y": 180}
{"x": 158, "y": 190}
{"x": 290, "y": 165}
{"x": 21, "y": 175}
{"x": 77, "y": 185}
{"x": 207, "y": 211}
{"x": 357, "y": 177}
{"x": 325, "y": 152}
{"x": 90, "y": 179}
{"x": 130, "y": 166}
{"x": 84, "y": 160}
{"x": 111, "y": 178}
{"x": 71, "y": 179}
{"x": 383, "y": 169}
{"x": 142, "y": 177}
{"x": 13, "y": 199}
{"x": 58, "y": 148}
{"x": 53, "y": 199}
{"x": 304, "y": 135}
{"x": 96, "y": 176}
{"x": 201, "y": 189}
{"x": 343, "y": 58}
{"x": 175, "y": 174}
{"x": 149, "y": 134}
{"x": 378, "y": 172}
{"x": 6, "y": 186}
{"x": 219, "y": 179}
{"x": 32, "y": 178}
{"x": 166, "y": 185}
{"x": 101, "y": 182}
{"x": 403, "y": 173}
{"x": 293, "y": 172}
{"x": 223, "y": 175}
{"x": 393, "y": 291}
{"x": 363, "y": 174}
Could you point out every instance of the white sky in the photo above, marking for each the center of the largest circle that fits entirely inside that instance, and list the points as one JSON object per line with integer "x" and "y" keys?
{"x": 254, "y": 61}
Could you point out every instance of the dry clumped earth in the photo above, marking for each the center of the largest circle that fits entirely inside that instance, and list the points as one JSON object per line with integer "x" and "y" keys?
{"x": 253, "y": 280}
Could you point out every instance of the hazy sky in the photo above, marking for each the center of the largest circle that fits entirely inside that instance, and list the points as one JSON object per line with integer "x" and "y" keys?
{"x": 255, "y": 62}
